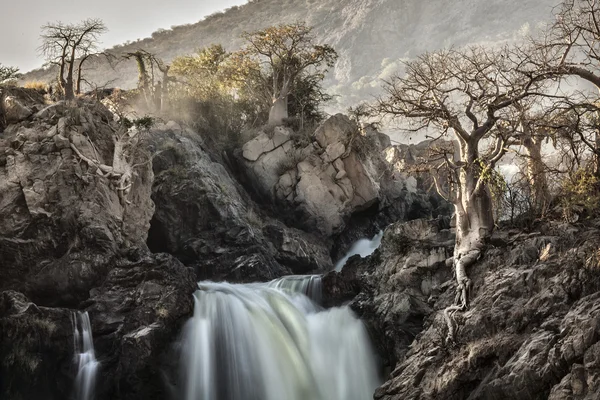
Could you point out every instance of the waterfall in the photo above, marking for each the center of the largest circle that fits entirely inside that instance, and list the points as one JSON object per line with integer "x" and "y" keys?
{"x": 85, "y": 357}
{"x": 271, "y": 342}
{"x": 309, "y": 285}
{"x": 362, "y": 247}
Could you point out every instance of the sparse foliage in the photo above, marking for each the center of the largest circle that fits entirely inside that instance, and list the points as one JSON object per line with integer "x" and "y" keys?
{"x": 7, "y": 72}
{"x": 68, "y": 46}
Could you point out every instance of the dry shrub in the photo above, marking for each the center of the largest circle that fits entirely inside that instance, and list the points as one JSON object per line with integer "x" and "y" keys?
{"x": 36, "y": 85}
{"x": 580, "y": 194}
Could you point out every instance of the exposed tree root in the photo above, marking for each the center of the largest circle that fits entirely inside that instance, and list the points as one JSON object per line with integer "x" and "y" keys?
{"x": 463, "y": 289}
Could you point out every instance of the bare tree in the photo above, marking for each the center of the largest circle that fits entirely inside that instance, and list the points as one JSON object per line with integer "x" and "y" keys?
{"x": 66, "y": 45}
{"x": 570, "y": 47}
{"x": 526, "y": 131}
{"x": 127, "y": 149}
{"x": 465, "y": 94}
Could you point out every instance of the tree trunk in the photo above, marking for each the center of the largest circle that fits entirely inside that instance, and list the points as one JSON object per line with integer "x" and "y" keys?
{"x": 474, "y": 219}
{"x": 69, "y": 93}
{"x": 123, "y": 167}
{"x": 278, "y": 111}
{"x": 536, "y": 175}
{"x": 164, "y": 96}
{"x": 80, "y": 74}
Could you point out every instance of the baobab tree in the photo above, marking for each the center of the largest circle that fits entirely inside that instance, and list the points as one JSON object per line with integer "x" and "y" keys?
{"x": 277, "y": 56}
{"x": 154, "y": 91}
{"x": 466, "y": 94}
{"x": 68, "y": 45}
{"x": 526, "y": 130}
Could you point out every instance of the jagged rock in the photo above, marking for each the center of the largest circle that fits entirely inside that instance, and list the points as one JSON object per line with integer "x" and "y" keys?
{"x": 14, "y": 110}
{"x": 532, "y": 330}
{"x": 136, "y": 313}
{"x": 61, "y": 220}
{"x": 342, "y": 173}
{"x": 394, "y": 288}
{"x": 336, "y": 129}
{"x": 36, "y": 350}
{"x": 265, "y": 143}
{"x": 206, "y": 219}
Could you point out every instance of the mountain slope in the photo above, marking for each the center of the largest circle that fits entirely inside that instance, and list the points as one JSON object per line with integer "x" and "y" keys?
{"x": 371, "y": 36}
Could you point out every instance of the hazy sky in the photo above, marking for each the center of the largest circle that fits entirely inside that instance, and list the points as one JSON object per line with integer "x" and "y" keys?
{"x": 20, "y": 21}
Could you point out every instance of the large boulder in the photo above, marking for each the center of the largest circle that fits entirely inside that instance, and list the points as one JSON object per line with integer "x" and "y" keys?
{"x": 18, "y": 104}
{"x": 341, "y": 172}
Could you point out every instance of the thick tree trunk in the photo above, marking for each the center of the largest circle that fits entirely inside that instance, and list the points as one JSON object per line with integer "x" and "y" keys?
{"x": 278, "y": 111}
{"x": 474, "y": 220}
{"x": 69, "y": 93}
{"x": 123, "y": 167}
{"x": 536, "y": 175}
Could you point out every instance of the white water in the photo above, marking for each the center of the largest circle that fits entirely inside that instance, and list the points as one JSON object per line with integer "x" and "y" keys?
{"x": 362, "y": 247}
{"x": 266, "y": 342}
{"x": 85, "y": 357}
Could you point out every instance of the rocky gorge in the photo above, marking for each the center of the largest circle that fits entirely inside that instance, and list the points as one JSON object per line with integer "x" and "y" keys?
{"x": 74, "y": 237}
{"x": 77, "y": 236}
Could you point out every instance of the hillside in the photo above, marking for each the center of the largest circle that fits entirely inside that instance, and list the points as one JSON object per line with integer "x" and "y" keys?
{"x": 371, "y": 36}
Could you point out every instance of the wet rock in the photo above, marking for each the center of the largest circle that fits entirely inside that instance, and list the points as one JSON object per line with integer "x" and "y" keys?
{"x": 136, "y": 314}
{"x": 36, "y": 356}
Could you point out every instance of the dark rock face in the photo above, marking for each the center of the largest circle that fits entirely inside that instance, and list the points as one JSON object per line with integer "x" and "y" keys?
{"x": 35, "y": 357}
{"x": 69, "y": 238}
{"x": 61, "y": 222}
{"x": 532, "y": 331}
{"x": 136, "y": 313}
{"x": 207, "y": 220}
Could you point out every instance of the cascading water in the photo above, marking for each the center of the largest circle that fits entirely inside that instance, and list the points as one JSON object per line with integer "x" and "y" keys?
{"x": 85, "y": 357}
{"x": 309, "y": 285}
{"x": 271, "y": 342}
{"x": 362, "y": 247}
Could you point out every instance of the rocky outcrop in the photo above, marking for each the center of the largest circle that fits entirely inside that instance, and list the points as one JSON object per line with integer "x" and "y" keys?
{"x": 532, "y": 331}
{"x": 62, "y": 219}
{"x": 206, "y": 219}
{"x": 136, "y": 314}
{"x": 35, "y": 357}
{"x": 340, "y": 172}
{"x": 73, "y": 237}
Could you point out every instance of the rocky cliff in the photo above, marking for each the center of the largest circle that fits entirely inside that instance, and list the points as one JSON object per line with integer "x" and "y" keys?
{"x": 532, "y": 331}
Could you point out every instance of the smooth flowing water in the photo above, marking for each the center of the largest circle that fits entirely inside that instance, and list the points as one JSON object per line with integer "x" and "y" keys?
{"x": 272, "y": 342}
{"x": 85, "y": 357}
{"x": 362, "y": 247}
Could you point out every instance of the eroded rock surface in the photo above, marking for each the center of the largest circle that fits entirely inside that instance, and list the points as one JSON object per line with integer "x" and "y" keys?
{"x": 340, "y": 172}
{"x": 206, "y": 218}
{"x": 532, "y": 331}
